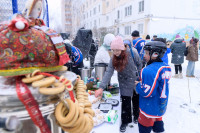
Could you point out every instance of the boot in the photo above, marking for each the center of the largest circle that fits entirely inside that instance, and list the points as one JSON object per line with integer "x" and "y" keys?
{"x": 180, "y": 75}
{"x": 123, "y": 128}
{"x": 175, "y": 76}
{"x": 135, "y": 120}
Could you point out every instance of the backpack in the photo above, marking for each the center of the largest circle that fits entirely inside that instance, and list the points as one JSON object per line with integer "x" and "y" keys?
{"x": 186, "y": 51}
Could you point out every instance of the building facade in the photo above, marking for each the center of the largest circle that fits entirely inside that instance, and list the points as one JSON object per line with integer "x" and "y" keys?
{"x": 148, "y": 16}
{"x": 68, "y": 16}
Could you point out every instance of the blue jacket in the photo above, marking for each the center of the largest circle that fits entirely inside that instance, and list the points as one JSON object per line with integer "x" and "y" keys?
{"x": 154, "y": 89}
{"x": 139, "y": 44}
{"x": 165, "y": 57}
{"x": 76, "y": 55}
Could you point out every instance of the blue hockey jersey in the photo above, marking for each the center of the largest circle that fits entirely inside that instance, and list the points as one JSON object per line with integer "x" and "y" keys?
{"x": 139, "y": 44}
{"x": 154, "y": 89}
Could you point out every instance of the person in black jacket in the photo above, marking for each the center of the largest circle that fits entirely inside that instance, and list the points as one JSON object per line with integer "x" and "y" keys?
{"x": 92, "y": 53}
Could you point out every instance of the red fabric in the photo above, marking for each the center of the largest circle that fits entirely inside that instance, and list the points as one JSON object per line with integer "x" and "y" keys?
{"x": 147, "y": 122}
{"x": 30, "y": 47}
{"x": 19, "y": 18}
{"x": 31, "y": 105}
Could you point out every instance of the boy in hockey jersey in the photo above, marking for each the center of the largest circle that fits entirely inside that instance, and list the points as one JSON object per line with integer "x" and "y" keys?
{"x": 138, "y": 43}
{"x": 153, "y": 89}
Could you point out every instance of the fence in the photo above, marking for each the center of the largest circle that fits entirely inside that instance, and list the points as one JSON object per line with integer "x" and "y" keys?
{"x": 8, "y": 7}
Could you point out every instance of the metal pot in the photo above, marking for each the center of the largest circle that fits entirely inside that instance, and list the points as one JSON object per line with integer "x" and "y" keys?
{"x": 100, "y": 69}
{"x": 10, "y": 105}
{"x": 85, "y": 72}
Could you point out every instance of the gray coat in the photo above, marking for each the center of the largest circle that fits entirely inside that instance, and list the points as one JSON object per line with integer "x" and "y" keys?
{"x": 127, "y": 77}
{"x": 177, "y": 50}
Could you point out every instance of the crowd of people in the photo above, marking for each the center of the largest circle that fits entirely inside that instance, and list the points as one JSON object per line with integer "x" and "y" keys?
{"x": 143, "y": 74}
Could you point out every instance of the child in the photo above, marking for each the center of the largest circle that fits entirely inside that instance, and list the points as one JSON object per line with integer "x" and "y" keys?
{"x": 153, "y": 89}
{"x": 76, "y": 57}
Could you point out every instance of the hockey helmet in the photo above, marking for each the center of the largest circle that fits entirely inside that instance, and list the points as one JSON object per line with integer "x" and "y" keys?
{"x": 156, "y": 47}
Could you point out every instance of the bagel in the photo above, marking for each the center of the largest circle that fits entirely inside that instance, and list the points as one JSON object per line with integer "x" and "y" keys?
{"x": 80, "y": 118}
{"x": 44, "y": 82}
{"x": 69, "y": 88}
{"x": 32, "y": 79}
{"x": 89, "y": 111}
{"x": 28, "y": 75}
{"x": 63, "y": 68}
{"x": 78, "y": 128}
{"x": 71, "y": 123}
{"x": 88, "y": 104}
{"x": 87, "y": 124}
{"x": 58, "y": 114}
{"x": 59, "y": 87}
{"x": 81, "y": 109}
{"x": 34, "y": 72}
{"x": 82, "y": 93}
{"x": 61, "y": 78}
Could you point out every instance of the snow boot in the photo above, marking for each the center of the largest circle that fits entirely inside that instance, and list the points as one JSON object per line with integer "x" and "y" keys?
{"x": 123, "y": 128}
{"x": 175, "y": 76}
{"x": 180, "y": 75}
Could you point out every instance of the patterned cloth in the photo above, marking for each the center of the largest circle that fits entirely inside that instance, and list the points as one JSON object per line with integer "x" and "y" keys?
{"x": 36, "y": 47}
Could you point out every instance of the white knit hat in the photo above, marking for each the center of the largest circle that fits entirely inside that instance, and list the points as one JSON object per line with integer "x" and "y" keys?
{"x": 108, "y": 39}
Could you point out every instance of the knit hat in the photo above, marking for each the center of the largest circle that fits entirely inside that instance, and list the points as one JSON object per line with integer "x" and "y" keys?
{"x": 135, "y": 33}
{"x": 117, "y": 43}
{"x": 178, "y": 37}
{"x": 108, "y": 39}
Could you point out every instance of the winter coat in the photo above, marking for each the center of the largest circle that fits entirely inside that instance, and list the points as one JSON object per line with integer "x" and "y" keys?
{"x": 192, "y": 53}
{"x": 177, "y": 50}
{"x": 93, "y": 50}
{"x": 102, "y": 56}
{"x": 154, "y": 89}
{"x": 127, "y": 77}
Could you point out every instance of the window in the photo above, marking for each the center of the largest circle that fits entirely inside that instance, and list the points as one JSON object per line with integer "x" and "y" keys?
{"x": 107, "y": 18}
{"x": 118, "y": 14}
{"x": 117, "y": 30}
{"x": 99, "y": 22}
{"x": 99, "y": 8}
{"x": 87, "y": 15}
{"x": 95, "y": 23}
{"x": 140, "y": 28}
{"x": 107, "y": 4}
{"x": 94, "y": 11}
{"x": 90, "y": 13}
{"x": 90, "y": 24}
{"x": 127, "y": 30}
{"x": 141, "y": 6}
{"x": 128, "y": 11}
